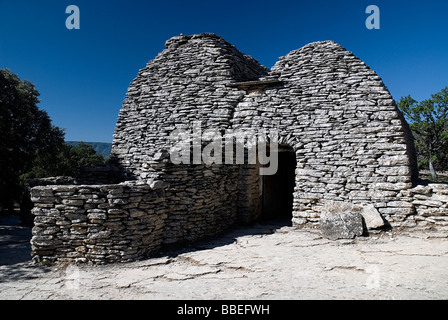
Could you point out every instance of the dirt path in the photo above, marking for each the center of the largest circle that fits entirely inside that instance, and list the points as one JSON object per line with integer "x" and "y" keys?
{"x": 261, "y": 262}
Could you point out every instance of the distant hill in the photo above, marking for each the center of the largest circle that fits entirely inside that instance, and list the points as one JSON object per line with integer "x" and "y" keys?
{"x": 103, "y": 148}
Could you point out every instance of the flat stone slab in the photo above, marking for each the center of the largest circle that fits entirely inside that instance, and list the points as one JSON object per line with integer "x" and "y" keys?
{"x": 372, "y": 218}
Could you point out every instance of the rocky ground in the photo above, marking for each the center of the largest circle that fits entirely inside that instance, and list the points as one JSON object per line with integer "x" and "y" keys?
{"x": 265, "y": 261}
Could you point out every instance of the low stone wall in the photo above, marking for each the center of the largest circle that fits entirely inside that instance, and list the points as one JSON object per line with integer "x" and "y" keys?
{"x": 130, "y": 221}
{"x": 82, "y": 175}
{"x": 134, "y": 219}
{"x": 26, "y": 205}
{"x": 431, "y": 204}
{"x": 97, "y": 223}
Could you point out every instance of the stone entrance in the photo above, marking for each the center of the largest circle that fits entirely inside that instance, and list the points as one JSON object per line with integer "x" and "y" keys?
{"x": 278, "y": 189}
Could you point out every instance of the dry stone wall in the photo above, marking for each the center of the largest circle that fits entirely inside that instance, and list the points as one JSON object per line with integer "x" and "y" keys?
{"x": 97, "y": 223}
{"x": 187, "y": 82}
{"x": 351, "y": 143}
{"x": 127, "y": 221}
{"x": 200, "y": 200}
{"x": 431, "y": 204}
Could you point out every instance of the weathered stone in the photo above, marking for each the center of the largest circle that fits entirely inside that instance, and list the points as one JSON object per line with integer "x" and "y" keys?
{"x": 431, "y": 202}
{"x": 41, "y": 192}
{"x": 340, "y": 220}
{"x": 97, "y": 216}
{"x": 73, "y": 202}
{"x": 328, "y": 107}
{"x": 134, "y": 213}
{"x": 372, "y": 218}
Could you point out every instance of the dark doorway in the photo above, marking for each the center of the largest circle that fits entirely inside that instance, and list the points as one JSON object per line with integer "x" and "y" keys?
{"x": 278, "y": 188}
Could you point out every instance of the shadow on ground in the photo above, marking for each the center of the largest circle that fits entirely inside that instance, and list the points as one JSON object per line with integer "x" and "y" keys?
{"x": 263, "y": 227}
{"x": 15, "y": 251}
{"x": 15, "y": 239}
{"x": 15, "y": 247}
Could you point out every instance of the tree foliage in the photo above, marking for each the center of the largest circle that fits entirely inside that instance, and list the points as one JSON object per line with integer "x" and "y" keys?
{"x": 26, "y": 132}
{"x": 428, "y": 120}
{"x": 30, "y": 146}
{"x": 64, "y": 162}
{"x": 81, "y": 155}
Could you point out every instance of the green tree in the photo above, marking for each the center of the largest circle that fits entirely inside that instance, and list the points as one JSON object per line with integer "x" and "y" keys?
{"x": 26, "y": 133}
{"x": 429, "y": 123}
{"x": 64, "y": 162}
{"x": 81, "y": 155}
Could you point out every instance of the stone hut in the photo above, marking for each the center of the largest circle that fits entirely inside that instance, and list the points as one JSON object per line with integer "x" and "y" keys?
{"x": 339, "y": 135}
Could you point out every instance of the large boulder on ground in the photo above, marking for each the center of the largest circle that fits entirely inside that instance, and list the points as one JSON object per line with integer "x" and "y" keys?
{"x": 341, "y": 220}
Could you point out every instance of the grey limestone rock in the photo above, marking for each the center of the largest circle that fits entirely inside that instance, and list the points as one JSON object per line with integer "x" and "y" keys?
{"x": 372, "y": 218}
{"x": 340, "y": 220}
{"x": 329, "y": 109}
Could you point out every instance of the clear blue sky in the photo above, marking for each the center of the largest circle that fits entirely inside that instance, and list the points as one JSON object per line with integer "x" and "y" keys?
{"x": 82, "y": 75}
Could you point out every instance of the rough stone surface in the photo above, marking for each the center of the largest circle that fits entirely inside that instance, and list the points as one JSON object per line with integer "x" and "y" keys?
{"x": 341, "y": 220}
{"x": 431, "y": 204}
{"x": 96, "y": 223}
{"x": 261, "y": 262}
{"x": 372, "y": 218}
{"x": 351, "y": 145}
{"x": 351, "y": 142}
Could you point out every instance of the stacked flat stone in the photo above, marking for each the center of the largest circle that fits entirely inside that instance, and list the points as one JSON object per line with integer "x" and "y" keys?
{"x": 96, "y": 223}
{"x": 183, "y": 84}
{"x": 351, "y": 141}
{"x": 431, "y": 204}
{"x": 187, "y": 82}
{"x": 352, "y": 147}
